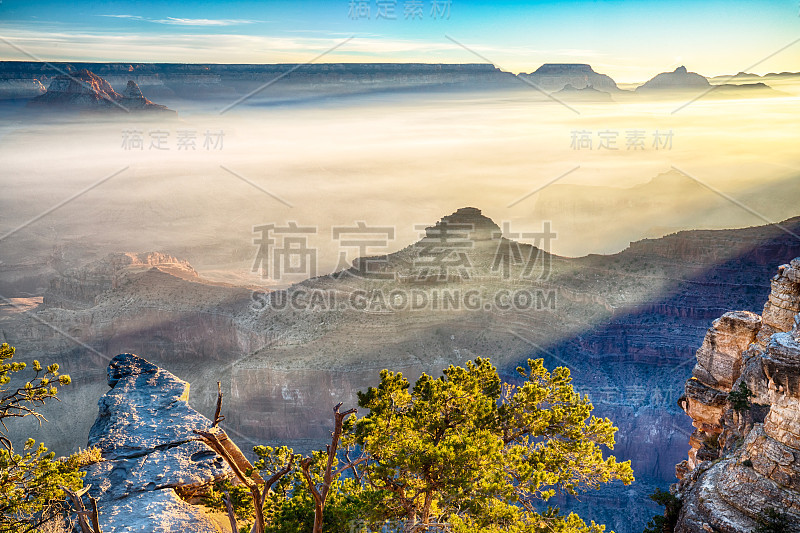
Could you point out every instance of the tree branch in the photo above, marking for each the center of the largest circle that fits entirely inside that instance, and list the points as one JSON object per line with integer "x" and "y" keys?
{"x": 217, "y": 417}
{"x": 231, "y": 515}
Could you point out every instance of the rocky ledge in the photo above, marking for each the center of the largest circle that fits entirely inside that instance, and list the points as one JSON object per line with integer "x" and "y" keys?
{"x": 154, "y": 468}
{"x": 744, "y": 400}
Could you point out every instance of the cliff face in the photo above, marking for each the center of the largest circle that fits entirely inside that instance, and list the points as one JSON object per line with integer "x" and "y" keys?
{"x": 747, "y": 461}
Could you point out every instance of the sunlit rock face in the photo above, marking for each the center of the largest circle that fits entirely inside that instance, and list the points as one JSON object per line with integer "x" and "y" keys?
{"x": 745, "y": 462}
{"x": 85, "y": 91}
{"x": 153, "y": 466}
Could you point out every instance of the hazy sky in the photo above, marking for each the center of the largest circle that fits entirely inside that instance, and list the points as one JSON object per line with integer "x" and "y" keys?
{"x": 629, "y": 40}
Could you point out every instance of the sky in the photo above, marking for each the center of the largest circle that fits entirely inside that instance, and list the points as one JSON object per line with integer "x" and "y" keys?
{"x": 630, "y": 40}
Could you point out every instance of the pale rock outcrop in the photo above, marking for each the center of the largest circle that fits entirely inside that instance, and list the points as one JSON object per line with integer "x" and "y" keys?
{"x": 154, "y": 468}
{"x": 745, "y": 462}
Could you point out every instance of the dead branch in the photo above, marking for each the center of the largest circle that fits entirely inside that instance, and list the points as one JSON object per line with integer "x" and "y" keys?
{"x": 80, "y": 510}
{"x": 231, "y": 515}
{"x": 217, "y": 417}
{"x": 320, "y": 494}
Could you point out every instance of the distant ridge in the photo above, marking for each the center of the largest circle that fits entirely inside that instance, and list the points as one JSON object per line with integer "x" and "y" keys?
{"x": 683, "y": 80}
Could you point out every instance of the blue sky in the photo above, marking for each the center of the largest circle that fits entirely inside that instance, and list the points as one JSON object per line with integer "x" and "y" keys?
{"x": 630, "y": 40}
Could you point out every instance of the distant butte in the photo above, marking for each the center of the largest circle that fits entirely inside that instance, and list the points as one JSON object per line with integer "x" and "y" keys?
{"x": 85, "y": 91}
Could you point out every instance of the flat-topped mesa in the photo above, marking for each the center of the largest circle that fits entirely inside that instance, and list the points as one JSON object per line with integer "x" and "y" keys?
{"x": 154, "y": 467}
{"x": 20, "y": 88}
{"x": 745, "y": 456}
{"x": 556, "y": 76}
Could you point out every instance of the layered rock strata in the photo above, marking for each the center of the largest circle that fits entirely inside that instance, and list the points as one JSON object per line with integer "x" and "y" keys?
{"x": 744, "y": 400}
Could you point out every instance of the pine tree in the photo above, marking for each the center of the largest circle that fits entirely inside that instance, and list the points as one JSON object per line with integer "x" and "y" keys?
{"x": 31, "y": 480}
{"x": 480, "y": 454}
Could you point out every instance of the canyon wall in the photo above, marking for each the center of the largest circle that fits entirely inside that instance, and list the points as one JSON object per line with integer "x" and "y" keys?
{"x": 744, "y": 401}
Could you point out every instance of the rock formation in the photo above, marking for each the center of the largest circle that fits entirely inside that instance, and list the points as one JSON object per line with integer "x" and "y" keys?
{"x": 556, "y": 76}
{"x": 20, "y": 88}
{"x": 585, "y": 94}
{"x": 745, "y": 457}
{"x": 679, "y": 79}
{"x": 78, "y": 288}
{"x": 154, "y": 469}
{"x": 88, "y": 92}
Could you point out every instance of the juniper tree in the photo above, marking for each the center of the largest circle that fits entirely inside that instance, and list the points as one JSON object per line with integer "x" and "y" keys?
{"x": 480, "y": 454}
{"x": 31, "y": 478}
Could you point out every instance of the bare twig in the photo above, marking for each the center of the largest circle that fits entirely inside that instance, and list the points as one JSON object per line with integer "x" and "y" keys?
{"x": 320, "y": 494}
{"x": 95, "y": 515}
{"x": 80, "y": 510}
{"x": 217, "y": 417}
{"x": 218, "y": 441}
{"x": 231, "y": 515}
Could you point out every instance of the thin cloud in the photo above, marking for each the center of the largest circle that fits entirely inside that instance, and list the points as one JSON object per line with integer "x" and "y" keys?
{"x": 178, "y": 21}
{"x": 134, "y": 17}
{"x": 203, "y": 22}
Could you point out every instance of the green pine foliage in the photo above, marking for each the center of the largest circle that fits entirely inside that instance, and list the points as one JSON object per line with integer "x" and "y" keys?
{"x": 30, "y": 479}
{"x": 740, "y": 398}
{"x": 464, "y": 453}
{"x": 472, "y": 451}
{"x": 672, "y": 507}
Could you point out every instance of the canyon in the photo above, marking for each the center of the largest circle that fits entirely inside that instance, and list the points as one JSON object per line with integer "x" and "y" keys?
{"x": 627, "y": 325}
